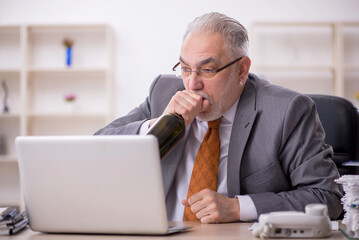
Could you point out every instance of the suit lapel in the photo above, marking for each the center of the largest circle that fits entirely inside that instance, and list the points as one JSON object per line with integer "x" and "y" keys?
{"x": 242, "y": 126}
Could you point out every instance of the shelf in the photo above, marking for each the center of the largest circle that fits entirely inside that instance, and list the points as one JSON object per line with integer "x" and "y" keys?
{"x": 13, "y": 82}
{"x": 48, "y": 51}
{"x": 8, "y": 158}
{"x": 351, "y": 87}
{"x": 55, "y": 28}
{"x": 351, "y": 68}
{"x": 10, "y": 116}
{"x": 299, "y": 48}
{"x": 293, "y": 68}
{"x": 9, "y": 131}
{"x": 10, "y": 71}
{"x": 33, "y": 64}
{"x": 10, "y": 47}
{"x": 46, "y": 92}
{"x": 64, "y": 125}
{"x": 9, "y": 184}
{"x": 350, "y": 40}
{"x": 292, "y": 44}
{"x": 67, "y": 115}
{"x": 68, "y": 70}
{"x": 14, "y": 202}
{"x": 320, "y": 82}
{"x": 294, "y": 24}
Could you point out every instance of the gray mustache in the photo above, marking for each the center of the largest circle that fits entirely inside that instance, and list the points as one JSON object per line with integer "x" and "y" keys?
{"x": 204, "y": 95}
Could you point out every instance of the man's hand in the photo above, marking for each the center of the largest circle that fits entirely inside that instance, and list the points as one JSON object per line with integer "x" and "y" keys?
{"x": 187, "y": 104}
{"x": 212, "y": 207}
{"x": 152, "y": 122}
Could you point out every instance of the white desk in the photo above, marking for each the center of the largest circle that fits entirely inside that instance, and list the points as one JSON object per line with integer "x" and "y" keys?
{"x": 238, "y": 231}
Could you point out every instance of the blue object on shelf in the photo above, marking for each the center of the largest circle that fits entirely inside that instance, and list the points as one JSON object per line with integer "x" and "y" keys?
{"x": 69, "y": 56}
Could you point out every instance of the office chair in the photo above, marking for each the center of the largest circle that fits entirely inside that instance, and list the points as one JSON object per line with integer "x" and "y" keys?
{"x": 340, "y": 120}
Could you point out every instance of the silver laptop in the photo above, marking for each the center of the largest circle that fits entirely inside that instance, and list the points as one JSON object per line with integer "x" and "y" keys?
{"x": 93, "y": 184}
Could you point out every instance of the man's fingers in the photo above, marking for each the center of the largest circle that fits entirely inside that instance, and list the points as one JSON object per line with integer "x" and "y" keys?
{"x": 205, "y": 104}
{"x": 195, "y": 198}
{"x": 192, "y": 97}
{"x": 187, "y": 104}
{"x": 198, "y": 207}
{"x": 212, "y": 207}
{"x": 185, "y": 203}
{"x": 207, "y": 219}
{"x": 192, "y": 200}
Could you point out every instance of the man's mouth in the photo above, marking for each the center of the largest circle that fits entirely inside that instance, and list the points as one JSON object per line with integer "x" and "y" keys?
{"x": 204, "y": 95}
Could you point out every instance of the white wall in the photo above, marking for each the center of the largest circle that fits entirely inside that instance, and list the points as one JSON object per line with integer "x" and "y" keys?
{"x": 148, "y": 33}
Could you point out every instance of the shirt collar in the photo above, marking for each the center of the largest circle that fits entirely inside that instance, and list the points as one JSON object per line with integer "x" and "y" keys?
{"x": 231, "y": 113}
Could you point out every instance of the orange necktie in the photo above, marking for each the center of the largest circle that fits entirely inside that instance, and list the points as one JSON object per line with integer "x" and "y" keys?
{"x": 205, "y": 169}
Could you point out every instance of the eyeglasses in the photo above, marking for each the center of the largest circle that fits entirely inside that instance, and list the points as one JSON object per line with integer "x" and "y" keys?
{"x": 204, "y": 72}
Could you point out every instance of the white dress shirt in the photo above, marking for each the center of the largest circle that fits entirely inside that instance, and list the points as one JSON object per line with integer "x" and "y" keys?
{"x": 178, "y": 191}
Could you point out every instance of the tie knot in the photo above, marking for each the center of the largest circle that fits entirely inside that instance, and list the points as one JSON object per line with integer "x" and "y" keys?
{"x": 215, "y": 123}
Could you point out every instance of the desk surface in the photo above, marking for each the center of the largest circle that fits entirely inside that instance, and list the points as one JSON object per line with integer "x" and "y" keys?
{"x": 199, "y": 231}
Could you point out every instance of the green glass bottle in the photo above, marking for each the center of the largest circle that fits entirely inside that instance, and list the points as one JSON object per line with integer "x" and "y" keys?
{"x": 169, "y": 130}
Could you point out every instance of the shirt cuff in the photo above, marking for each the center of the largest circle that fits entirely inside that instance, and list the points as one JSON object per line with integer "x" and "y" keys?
{"x": 144, "y": 127}
{"x": 248, "y": 211}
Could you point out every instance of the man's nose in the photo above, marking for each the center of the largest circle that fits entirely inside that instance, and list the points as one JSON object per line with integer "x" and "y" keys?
{"x": 194, "y": 81}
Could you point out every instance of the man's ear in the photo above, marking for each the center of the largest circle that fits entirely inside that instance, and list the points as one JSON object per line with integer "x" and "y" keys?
{"x": 244, "y": 66}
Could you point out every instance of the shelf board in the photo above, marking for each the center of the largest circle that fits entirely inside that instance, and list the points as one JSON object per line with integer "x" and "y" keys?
{"x": 67, "y": 115}
{"x": 9, "y": 27}
{"x": 56, "y": 27}
{"x": 68, "y": 70}
{"x": 293, "y": 68}
{"x": 10, "y": 70}
{"x": 305, "y": 24}
{"x": 8, "y": 158}
{"x": 9, "y": 115}
{"x": 351, "y": 68}
{"x": 9, "y": 202}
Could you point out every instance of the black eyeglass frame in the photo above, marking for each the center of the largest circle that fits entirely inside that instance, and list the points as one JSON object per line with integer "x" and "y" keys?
{"x": 216, "y": 71}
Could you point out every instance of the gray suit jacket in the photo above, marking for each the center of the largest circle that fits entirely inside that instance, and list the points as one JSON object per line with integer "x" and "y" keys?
{"x": 277, "y": 153}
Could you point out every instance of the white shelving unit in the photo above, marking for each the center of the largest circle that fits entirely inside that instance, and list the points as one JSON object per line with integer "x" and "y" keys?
{"x": 316, "y": 57}
{"x": 33, "y": 64}
{"x": 350, "y": 49}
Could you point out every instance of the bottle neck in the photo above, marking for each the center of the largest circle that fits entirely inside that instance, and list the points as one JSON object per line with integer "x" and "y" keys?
{"x": 178, "y": 116}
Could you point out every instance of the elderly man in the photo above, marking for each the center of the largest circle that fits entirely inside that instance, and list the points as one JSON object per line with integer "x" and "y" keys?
{"x": 266, "y": 150}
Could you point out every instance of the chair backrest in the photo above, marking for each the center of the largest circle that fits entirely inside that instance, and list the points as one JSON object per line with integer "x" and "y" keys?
{"x": 340, "y": 120}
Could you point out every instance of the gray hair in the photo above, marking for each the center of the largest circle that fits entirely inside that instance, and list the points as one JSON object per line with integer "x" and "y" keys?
{"x": 234, "y": 33}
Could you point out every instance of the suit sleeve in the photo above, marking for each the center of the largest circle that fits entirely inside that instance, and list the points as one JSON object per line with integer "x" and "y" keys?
{"x": 132, "y": 122}
{"x": 306, "y": 161}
